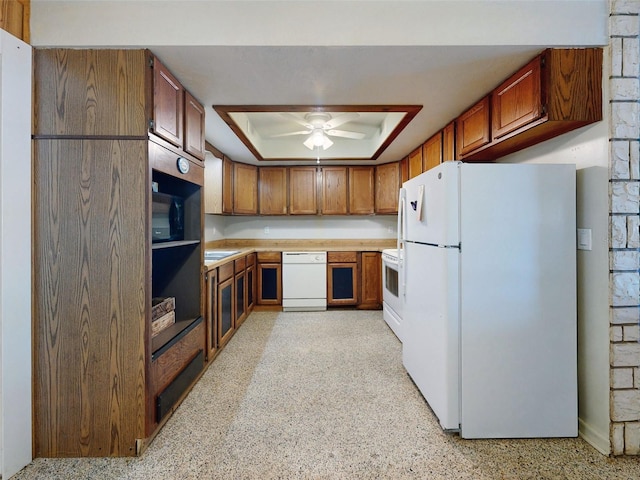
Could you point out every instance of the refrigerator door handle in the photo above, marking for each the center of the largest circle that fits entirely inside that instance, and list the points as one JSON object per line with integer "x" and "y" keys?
{"x": 402, "y": 205}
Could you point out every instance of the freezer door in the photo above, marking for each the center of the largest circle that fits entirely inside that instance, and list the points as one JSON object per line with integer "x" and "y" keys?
{"x": 431, "y": 327}
{"x": 431, "y": 206}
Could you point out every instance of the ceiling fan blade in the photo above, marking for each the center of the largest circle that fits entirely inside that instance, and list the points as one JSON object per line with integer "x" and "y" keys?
{"x": 340, "y": 119}
{"x": 346, "y": 134}
{"x": 297, "y": 119}
{"x": 299, "y": 132}
{"x": 327, "y": 143}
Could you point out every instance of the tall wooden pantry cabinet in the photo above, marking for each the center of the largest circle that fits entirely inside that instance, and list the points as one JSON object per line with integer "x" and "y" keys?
{"x": 104, "y": 383}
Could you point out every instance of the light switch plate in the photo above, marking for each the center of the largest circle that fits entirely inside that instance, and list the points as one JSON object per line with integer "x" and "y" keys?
{"x": 584, "y": 239}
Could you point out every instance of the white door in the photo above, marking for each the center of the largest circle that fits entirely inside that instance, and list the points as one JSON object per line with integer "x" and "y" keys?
{"x": 431, "y": 206}
{"x": 15, "y": 252}
{"x": 431, "y": 327}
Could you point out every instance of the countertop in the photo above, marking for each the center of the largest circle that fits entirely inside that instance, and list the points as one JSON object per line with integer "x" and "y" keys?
{"x": 245, "y": 247}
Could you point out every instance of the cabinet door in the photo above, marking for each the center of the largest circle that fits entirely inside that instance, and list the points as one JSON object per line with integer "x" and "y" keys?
{"x": 269, "y": 284}
{"x": 241, "y": 300}
{"x": 303, "y": 197}
{"x": 211, "y": 313}
{"x": 404, "y": 170}
{"x": 334, "y": 191}
{"x": 273, "y": 191}
{"x": 361, "y": 198}
{"x": 226, "y": 311}
{"x": 432, "y": 151}
{"x": 213, "y": 185}
{"x": 342, "y": 285}
{"x": 251, "y": 288}
{"x": 387, "y": 185}
{"x": 193, "y": 126}
{"x": 517, "y": 101}
{"x": 448, "y": 143}
{"x": 371, "y": 280}
{"x": 227, "y": 185}
{"x": 245, "y": 189}
{"x": 15, "y": 18}
{"x": 415, "y": 162}
{"x": 473, "y": 129}
{"x": 168, "y": 105}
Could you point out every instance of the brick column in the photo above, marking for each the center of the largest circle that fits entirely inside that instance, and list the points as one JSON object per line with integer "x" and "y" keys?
{"x": 624, "y": 245}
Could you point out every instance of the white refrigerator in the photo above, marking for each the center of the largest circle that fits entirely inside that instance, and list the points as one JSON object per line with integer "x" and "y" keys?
{"x": 489, "y": 277}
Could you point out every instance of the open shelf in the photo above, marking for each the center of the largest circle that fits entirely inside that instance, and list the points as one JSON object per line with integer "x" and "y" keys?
{"x": 178, "y": 243}
{"x": 171, "y": 335}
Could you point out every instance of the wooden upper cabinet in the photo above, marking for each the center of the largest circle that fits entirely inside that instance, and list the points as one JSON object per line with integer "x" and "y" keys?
{"x": 193, "y": 126}
{"x": 102, "y": 104}
{"x": 404, "y": 170}
{"x": 361, "y": 190}
{"x": 303, "y": 191}
{"x": 334, "y": 191}
{"x": 227, "y": 185}
{"x": 432, "y": 151}
{"x": 517, "y": 101}
{"x": 387, "y": 186}
{"x": 14, "y": 18}
{"x": 473, "y": 128}
{"x": 415, "y": 162}
{"x": 213, "y": 185}
{"x": 168, "y": 105}
{"x": 272, "y": 189}
{"x": 245, "y": 189}
{"x": 449, "y": 142}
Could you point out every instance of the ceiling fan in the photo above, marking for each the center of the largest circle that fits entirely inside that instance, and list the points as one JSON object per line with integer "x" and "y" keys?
{"x": 320, "y": 126}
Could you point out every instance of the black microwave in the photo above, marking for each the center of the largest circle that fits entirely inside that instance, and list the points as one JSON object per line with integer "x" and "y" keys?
{"x": 167, "y": 219}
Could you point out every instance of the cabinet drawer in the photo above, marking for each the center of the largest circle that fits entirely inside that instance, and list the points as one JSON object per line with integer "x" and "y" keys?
{"x": 342, "y": 257}
{"x": 240, "y": 264}
{"x": 167, "y": 366}
{"x": 225, "y": 271}
{"x": 269, "y": 257}
{"x": 251, "y": 259}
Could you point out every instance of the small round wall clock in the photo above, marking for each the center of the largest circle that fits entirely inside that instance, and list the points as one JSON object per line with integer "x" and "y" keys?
{"x": 183, "y": 165}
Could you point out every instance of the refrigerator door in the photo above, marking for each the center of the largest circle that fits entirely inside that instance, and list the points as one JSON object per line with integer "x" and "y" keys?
{"x": 518, "y": 301}
{"x": 431, "y": 328}
{"x": 431, "y": 206}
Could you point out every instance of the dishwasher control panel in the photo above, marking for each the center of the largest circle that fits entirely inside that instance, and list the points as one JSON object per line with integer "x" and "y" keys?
{"x": 304, "y": 257}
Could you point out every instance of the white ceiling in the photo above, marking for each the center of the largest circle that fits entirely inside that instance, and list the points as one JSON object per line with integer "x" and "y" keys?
{"x": 441, "y": 54}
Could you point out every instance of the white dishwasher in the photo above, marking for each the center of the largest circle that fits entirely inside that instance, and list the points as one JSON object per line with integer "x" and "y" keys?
{"x": 304, "y": 281}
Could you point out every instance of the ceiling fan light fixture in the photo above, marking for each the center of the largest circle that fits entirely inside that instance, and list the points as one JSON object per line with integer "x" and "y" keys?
{"x": 318, "y": 138}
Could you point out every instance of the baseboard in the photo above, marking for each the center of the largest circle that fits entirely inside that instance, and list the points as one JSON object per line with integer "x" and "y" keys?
{"x": 594, "y": 438}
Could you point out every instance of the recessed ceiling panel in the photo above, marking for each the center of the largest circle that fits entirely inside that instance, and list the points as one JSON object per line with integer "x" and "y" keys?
{"x": 337, "y": 132}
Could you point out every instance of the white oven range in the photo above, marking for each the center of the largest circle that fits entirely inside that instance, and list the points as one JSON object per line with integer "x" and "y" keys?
{"x": 392, "y": 291}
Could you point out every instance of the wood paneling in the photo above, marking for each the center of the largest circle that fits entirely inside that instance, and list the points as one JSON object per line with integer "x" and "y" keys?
{"x": 361, "y": 188}
{"x": 303, "y": 196}
{"x": 90, "y": 297}
{"x": 272, "y": 189}
{"x": 387, "y": 187}
{"x": 432, "y": 151}
{"x": 334, "y": 191}
{"x": 99, "y": 102}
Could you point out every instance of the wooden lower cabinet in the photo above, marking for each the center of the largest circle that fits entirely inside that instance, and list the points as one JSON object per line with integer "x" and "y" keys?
{"x": 226, "y": 303}
{"x": 269, "y": 278}
{"x": 241, "y": 298}
{"x": 211, "y": 312}
{"x": 370, "y": 280}
{"x": 342, "y": 278}
{"x": 251, "y": 287}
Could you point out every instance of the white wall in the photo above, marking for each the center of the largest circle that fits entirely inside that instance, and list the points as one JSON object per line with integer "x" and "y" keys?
{"x": 300, "y": 227}
{"x": 15, "y": 254}
{"x": 588, "y": 149}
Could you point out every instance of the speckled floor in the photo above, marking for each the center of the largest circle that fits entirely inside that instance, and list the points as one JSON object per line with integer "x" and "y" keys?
{"x": 324, "y": 396}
